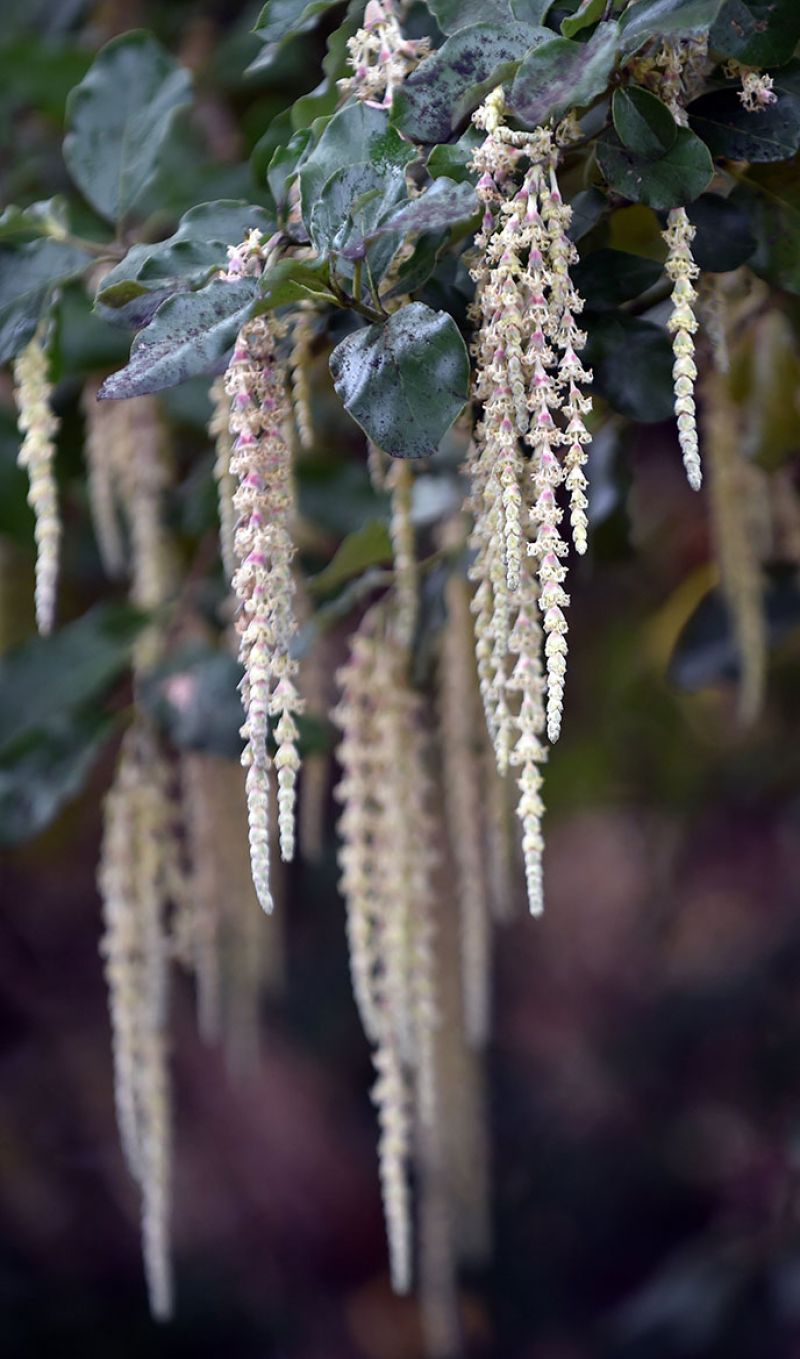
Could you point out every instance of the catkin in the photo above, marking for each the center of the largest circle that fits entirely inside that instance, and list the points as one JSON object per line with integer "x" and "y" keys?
{"x": 263, "y": 585}
{"x": 133, "y": 877}
{"x": 219, "y": 429}
{"x": 39, "y": 426}
{"x": 386, "y": 858}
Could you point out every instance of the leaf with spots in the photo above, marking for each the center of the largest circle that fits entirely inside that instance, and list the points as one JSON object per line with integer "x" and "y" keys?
{"x": 404, "y": 380}
{"x": 561, "y": 75}
{"x": 188, "y": 335}
{"x": 666, "y": 19}
{"x": 437, "y": 99}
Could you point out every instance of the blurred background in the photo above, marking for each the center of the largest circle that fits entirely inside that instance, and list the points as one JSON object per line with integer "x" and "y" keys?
{"x": 641, "y": 1093}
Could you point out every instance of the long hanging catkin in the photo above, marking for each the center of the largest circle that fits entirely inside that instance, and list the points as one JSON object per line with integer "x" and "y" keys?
{"x": 39, "y": 426}
{"x": 386, "y": 860}
{"x": 133, "y": 876}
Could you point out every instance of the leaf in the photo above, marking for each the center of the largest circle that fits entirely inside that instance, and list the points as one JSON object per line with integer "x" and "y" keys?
{"x": 370, "y": 545}
{"x": 588, "y": 207}
{"x": 643, "y": 124}
{"x": 291, "y": 281}
{"x": 39, "y": 775}
{"x": 707, "y": 651}
{"x": 588, "y": 12}
{"x": 451, "y": 15}
{"x": 118, "y": 119}
{"x": 187, "y": 335}
{"x": 280, "y": 19}
{"x": 405, "y": 380}
{"x": 28, "y": 276}
{"x": 724, "y": 237}
{"x": 49, "y": 677}
{"x": 452, "y": 158}
{"x": 561, "y": 75}
{"x": 284, "y": 166}
{"x": 47, "y": 218}
{"x": 605, "y": 278}
{"x": 674, "y": 179}
{"x": 350, "y": 207}
{"x": 444, "y": 204}
{"x": 729, "y": 130}
{"x": 666, "y": 19}
{"x": 757, "y": 33}
{"x": 182, "y": 261}
{"x": 632, "y": 363}
{"x": 436, "y": 99}
{"x": 355, "y": 134}
{"x": 772, "y": 194}
{"x": 194, "y": 699}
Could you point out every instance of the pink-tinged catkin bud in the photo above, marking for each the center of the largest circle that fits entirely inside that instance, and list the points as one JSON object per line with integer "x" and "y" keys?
{"x": 263, "y": 503}
{"x": 39, "y": 426}
{"x": 682, "y": 324}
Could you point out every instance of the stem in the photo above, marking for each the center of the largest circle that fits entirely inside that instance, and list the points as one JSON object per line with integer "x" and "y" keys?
{"x": 100, "y": 249}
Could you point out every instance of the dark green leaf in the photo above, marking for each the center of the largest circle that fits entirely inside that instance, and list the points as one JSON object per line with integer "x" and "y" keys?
{"x": 135, "y": 288}
{"x": 588, "y": 207}
{"x": 48, "y": 677}
{"x": 38, "y": 775}
{"x": 588, "y": 12}
{"x": 707, "y": 651}
{"x": 284, "y": 166}
{"x": 404, "y": 381}
{"x": 436, "y": 99}
{"x": 186, "y": 337}
{"x": 444, "y": 204}
{"x": 561, "y": 75}
{"x": 724, "y": 237}
{"x": 632, "y": 363}
{"x": 370, "y": 545}
{"x": 605, "y": 278}
{"x": 729, "y": 130}
{"x": 666, "y": 19}
{"x": 195, "y": 701}
{"x": 355, "y": 134}
{"x": 28, "y": 276}
{"x": 291, "y": 281}
{"x": 772, "y": 194}
{"x": 281, "y": 19}
{"x": 452, "y": 158}
{"x": 758, "y": 33}
{"x": 643, "y": 124}
{"x": 48, "y": 218}
{"x": 118, "y": 119}
{"x": 451, "y": 15}
{"x": 674, "y": 179}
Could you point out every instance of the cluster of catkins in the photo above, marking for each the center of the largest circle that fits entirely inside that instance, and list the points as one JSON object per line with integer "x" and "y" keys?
{"x": 262, "y": 509}
{"x": 529, "y": 381}
{"x": 527, "y": 474}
